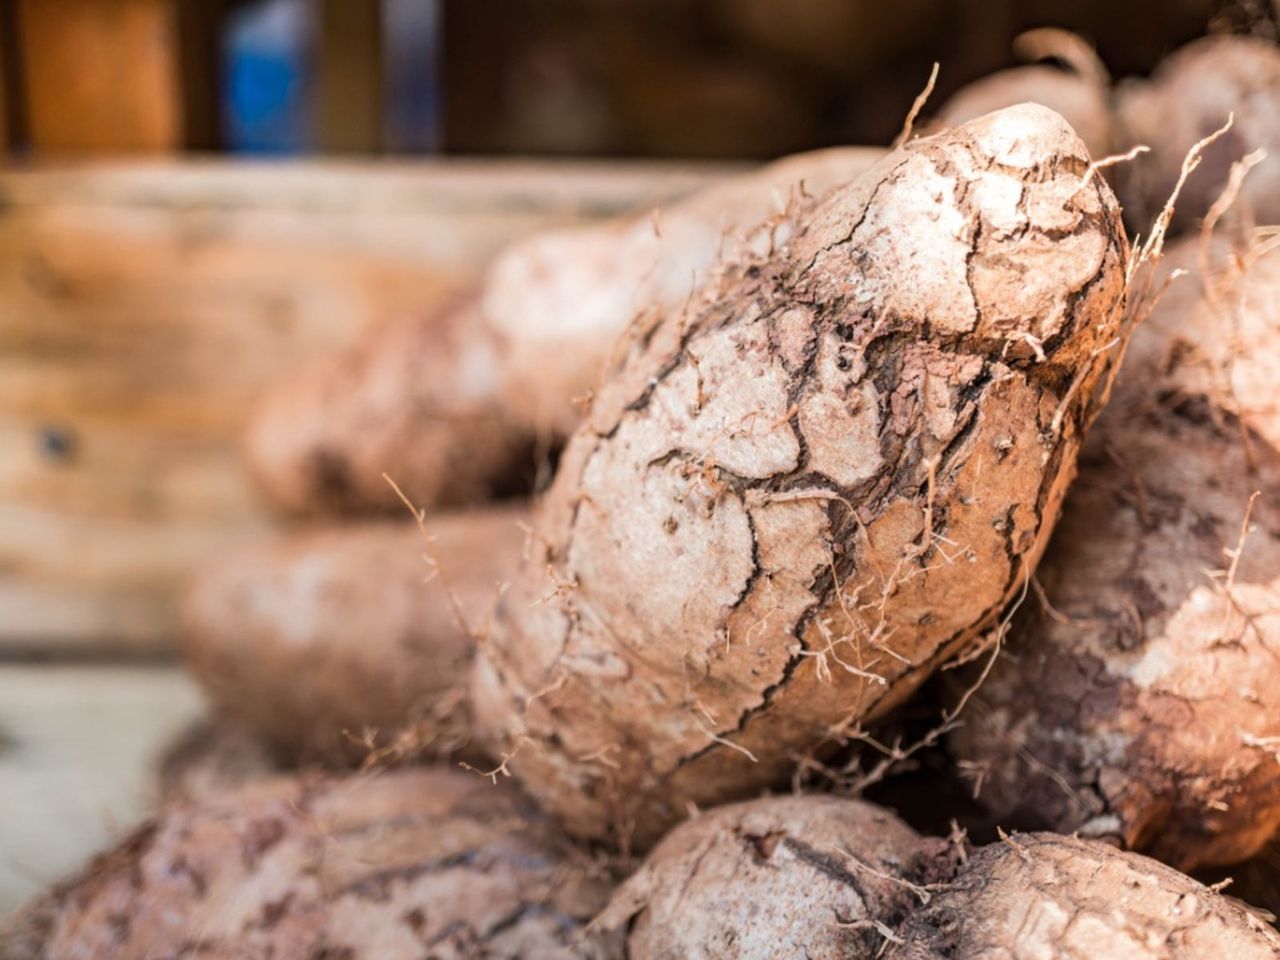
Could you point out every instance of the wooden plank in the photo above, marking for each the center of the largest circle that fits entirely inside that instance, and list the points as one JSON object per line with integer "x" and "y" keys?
{"x": 78, "y": 747}
{"x": 349, "y": 85}
{"x": 101, "y": 75}
{"x": 144, "y": 308}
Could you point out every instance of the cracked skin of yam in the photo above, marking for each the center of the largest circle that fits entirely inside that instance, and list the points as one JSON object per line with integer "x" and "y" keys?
{"x": 209, "y": 757}
{"x": 309, "y": 639}
{"x": 403, "y": 864}
{"x": 1148, "y": 710}
{"x": 777, "y": 877}
{"x": 1048, "y": 897}
{"x": 452, "y": 405}
{"x": 828, "y": 473}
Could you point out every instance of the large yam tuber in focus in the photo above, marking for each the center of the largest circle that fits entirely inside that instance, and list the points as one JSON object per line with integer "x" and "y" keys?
{"x": 1079, "y": 89}
{"x": 1140, "y": 700}
{"x": 1036, "y": 896}
{"x": 807, "y": 876}
{"x": 1189, "y": 96}
{"x": 405, "y": 864}
{"x": 818, "y": 480}
{"x": 454, "y": 406}
{"x": 314, "y": 640}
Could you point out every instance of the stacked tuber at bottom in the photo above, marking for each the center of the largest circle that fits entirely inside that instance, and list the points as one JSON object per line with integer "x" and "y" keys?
{"x": 445, "y": 865}
{"x": 406, "y": 864}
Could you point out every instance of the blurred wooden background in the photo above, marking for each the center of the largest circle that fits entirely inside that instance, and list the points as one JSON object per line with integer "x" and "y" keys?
{"x": 675, "y": 78}
{"x": 143, "y": 306}
{"x": 146, "y": 304}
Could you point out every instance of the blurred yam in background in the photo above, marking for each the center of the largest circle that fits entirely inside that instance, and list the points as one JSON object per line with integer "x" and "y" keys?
{"x": 146, "y": 305}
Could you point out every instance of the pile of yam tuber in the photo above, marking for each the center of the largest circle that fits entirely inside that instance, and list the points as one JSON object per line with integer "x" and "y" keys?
{"x": 866, "y": 464}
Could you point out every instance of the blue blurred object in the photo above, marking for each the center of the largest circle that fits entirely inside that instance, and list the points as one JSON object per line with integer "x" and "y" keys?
{"x": 268, "y": 77}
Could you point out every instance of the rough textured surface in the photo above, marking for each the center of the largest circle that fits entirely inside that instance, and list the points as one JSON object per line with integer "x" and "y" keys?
{"x": 416, "y": 401}
{"x": 403, "y": 864}
{"x": 1046, "y": 897}
{"x": 804, "y": 876}
{"x": 1145, "y": 705}
{"x": 313, "y": 639}
{"x": 560, "y": 300}
{"x": 211, "y": 757}
{"x": 825, "y": 475}
{"x": 1189, "y": 96}
{"x": 1079, "y": 88}
{"x": 456, "y": 405}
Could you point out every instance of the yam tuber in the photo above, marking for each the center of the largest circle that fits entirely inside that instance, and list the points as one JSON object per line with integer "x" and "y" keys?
{"x": 404, "y": 864}
{"x": 829, "y": 878}
{"x": 453, "y": 406}
{"x": 807, "y": 876}
{"x": 1190, "y": 95}
{"x": 819, "y": 479}
{"x": 209, "y": 757}
{"x": 330, "y": 643}
{"x": 1141, "y": 699}
{"x": 417, "y": 401}
{"x": 1219, "y": 333}
{"x": 1036, "y": 896}
{"x": 1078, "y": 88}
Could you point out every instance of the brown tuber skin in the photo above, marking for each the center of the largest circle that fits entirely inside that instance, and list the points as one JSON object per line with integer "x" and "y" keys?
{"x": 454, "y": 406}
{"x": 1047, "y": 897}
{"x": 561, "y": 299}
{"x": 806, "y": 876}
{"x": 1190, "y": 95}
{"x": 825, "y": 476}
{"x": 1142, "y": 703}
{"x": 1255, "y": 883}
{"x": 829, "y": 878}
{"x": 312, "y": 640}
{"x": 1221, "y": 335}
{"x": 404, "y": 864}
{"x": 416, "y": 402}
{"x": 1079, "y": 89}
